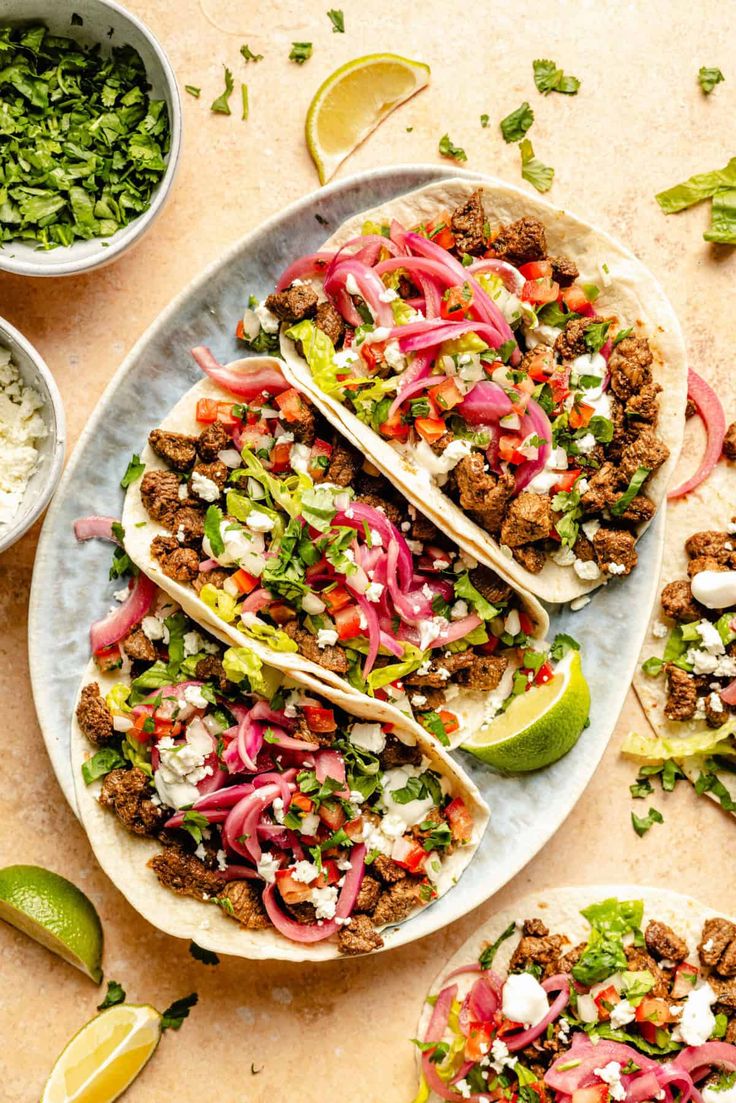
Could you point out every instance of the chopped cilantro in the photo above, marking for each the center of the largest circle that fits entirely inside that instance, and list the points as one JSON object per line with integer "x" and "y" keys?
{"x": 244, "y": 97}
{"x": 488, "y": 953}
{"x": 448, "y": 149}
{"x": 622, "y": 333}
{"x": 195, "y": 823}
{"x": 637, "y": 481}
{"x": 101, "y": 763}
{"x": 221, "y": 106}
{"x": 548, "y": 78}
{"x": 337, "y": 19}
{"x": 595, "y": 336}
{"x": 300, "y": 52}
{"x": 115, "y": 994}
{"x": 177, "y": 1012}
{"x": 248, "y": 54}
{"x": 485, "y": 120}
{"x": 193, "y": 90}
{"x": 516, "y": 124}
{"x": 561, "y": 644}
{"x": 641, "y": 824}
{"x": 709, "y": 78}
{"x": 532, "y": 169}
{"x": 133, "y": 471}
{"x": 432, "y": 721}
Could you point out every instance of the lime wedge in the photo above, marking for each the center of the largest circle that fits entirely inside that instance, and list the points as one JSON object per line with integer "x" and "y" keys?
{"x": 351, "y": 103}
{"x": 538, "y": 727}
{"x": 105, "y": 1056}
{"x": 55, "y": 913}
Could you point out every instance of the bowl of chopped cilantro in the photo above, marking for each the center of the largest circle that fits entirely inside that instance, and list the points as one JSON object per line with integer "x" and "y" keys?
{"x": 90, "y": 129}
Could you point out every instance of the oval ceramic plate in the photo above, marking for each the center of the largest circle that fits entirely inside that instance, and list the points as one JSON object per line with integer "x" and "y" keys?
{"x": 525, "y": 811}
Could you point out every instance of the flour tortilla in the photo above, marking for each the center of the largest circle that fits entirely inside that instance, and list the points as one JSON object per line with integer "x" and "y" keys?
{"x": 710, "y": 506}
{"x": 634, "y": 296}
{"x": 124, "y": 857}
{"x": 560, "y": 909}
{"x": 140, "y": 530}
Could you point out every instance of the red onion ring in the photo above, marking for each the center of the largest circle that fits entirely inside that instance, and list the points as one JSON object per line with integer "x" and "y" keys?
{"x": 94, "y": 527}
{"x": 243, "y": 383}
{"x": 711, "y": 414}
{"x": 118, "y": 623}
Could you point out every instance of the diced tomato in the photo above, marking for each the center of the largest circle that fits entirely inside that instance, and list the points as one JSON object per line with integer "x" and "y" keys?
{"x": 348, "y": 622}
{"x": 394, "y": 427}
{"x": 319, "y": 460}
{"x": 508, "y": 1026}
{"x": 302, "y": 802}
{"x": 478, "y": 1041}
{"x": 536, "y": 269}
{"x": 566, "y": 482}
{"x": 372, "y": 355}
{"x": 239, "y": 331}
{"x": 330, "y": 874}
{"x": 430, "y": 428}
{"x": 606, "y": 999}
{"x": 291, "y": 404}
{"x": 526, "y": 623}
{"x": 489, "y": 646}
{"x": 292, "y": 891}
{"x": 207, "y": 410}
{"x": 540, "y": 363}
{"x": 245, "y": 582}
{"x": 318, "y": 568}
{"x": 354, "y": 829}
{"x": 447, "y": 394}
{"x": 336, "y": 598}
{"x": 558, "y": 384}
{"x": 652, "y": 1012}
{"x": 331, "y": 814}
{"x": 686, "y": 976}
{"x": 543, "y": 675}
{"x": 508, "y": 449}
{"x": 459, "y": 819}
{"x": 108, "y": 658}
{"x": 281, "y": 456}
{"x": 596, "y": 1093}
{"x": 409, "y": 854}
{"x": 574, "y": 298}
{"x": 580, "y": 415}
{"x": 319, "y": 719}
{"x": 444, "y": 237}
{"x": 456, "y": 302}
{"x": 540, "y": 291}
{"x": 449, "y": 720}
{"x": 141, "y": 723}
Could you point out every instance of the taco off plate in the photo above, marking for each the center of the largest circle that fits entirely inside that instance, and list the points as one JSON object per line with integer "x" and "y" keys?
{"x": 525, "y": 811}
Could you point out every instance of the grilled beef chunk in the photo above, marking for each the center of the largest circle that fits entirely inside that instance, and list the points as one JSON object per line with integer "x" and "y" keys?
{"x": 210, "y": 669}
{"x": 571, "y": 341}
{"x": 729, "y": 442}
{"x": 215, "y": 578}
{"x": 160, "y": 495}
{"x": 646, "y": 451}
{"x": 678, "y": 602}
{"x": 682, "y": 694}
{"x": 521, "y": 241}
{"x": 331, "y": 657}
{"x": 643, "y": 406}
{"x": 615, "y": 548}
{"x": 711, "y": 544}
{"x": 544, "y": 950}
{"x": 705, "y": 563}
{"x": 128, "y": 794}
{"x": 630, "y": 365}
{"x": 216, "y": 472}
{"x": 564, "y": 270}
{"x": 94, "y": 717}
{"x": 181, "y": 564}
{"x": 388, "y": 870}
{"x": 330, "y": 322}
{"x": 440, "y": 669}
{"x": 187, "y": 524}
{"x": 369, "y": 895}
{"x": 528, "y": 518}
{"x": 396, "y": 753}
{"x": 358, "y": 936}
{"x": 490, "y": 585}
{"x": 534, "y": 928}
{"x": 294, "y": 304}
{"x": 661, "y": 941}
{"x": 468, "y": 225}
{"x": 178, "y": 449}
{"x": 186, "y": 875}
{"x": 345, "y": 463}
{"x": 485, "y": 672}
{"x": 640, "y": 961}
{"x": 212, "y": 441}
{"x": 397, "y": 901}
{"x": 484, "y": 494}
{"x": 246, "y": 905}
{"x": 718, "y": 935}
{"x": 531, "y": 558}
{"x": 138, "y": 647}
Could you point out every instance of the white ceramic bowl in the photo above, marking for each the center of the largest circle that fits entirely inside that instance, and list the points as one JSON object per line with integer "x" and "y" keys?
{"x": 44, "y": 480}
{"x": 98, "y": 16}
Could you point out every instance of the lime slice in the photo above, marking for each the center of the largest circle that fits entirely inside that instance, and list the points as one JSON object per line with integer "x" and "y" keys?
{"x": 538, "y": 727}
{"x": 105, "y": 1056}
{"x": 351, "y": 103}
{"x": 55, "y": 913}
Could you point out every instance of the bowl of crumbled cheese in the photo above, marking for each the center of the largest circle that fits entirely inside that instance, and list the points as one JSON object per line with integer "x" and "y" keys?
{"x": 32, "y": 433}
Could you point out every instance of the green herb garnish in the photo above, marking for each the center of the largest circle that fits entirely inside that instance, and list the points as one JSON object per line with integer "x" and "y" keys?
{"x": 448, "y": 149}
{"x": 516, "y": 124}
{"x": 548, "y": 78}
{"x": 709, "y": 78}
{"x": 337, "y": 19}
{"x": 221, "y": 105}
{"x": 300, "y": 52}
{"x": 532, "y": 169}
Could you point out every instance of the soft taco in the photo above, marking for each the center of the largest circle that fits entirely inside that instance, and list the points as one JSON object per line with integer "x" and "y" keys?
{"x": 257, "y": 814}
{"x": 686, "y": 678}
{"x": 589, "y": 995}
{"x": 257, "y": 515}
{"x": 517, "y": 371}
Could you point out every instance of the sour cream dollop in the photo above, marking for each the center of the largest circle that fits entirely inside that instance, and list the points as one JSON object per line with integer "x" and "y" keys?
{"x": 715, "y": 589}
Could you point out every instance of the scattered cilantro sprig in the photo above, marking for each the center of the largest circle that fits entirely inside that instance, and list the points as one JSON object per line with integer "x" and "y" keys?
{"x": 709, "y": 78}
{"x": 548, "y": 78}
{"x": 448, "y": 149}
{"x": 515, "y": 125}
{"x": 300, "y": 52}
{"x": 337, "y": 19}
{"x": 532, "y": 169}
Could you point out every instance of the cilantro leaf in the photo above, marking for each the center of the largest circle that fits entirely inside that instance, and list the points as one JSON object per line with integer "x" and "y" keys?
{"x": 115, "y": 994}
{"x": 244, "y": 96}
{"x": 488, "y": 953}
{"x": 548, "y": 78}
{"x": 516, "y": 124}
{"x": 133, "y": 471}
{"x": 221, "y": 106}
{"x": 448, "y": 149}
{"x": 101, "y": 763}
{"x": 337, "y": 19}
{"x": 248, "y": 54}
{"x": 195, "y": 823}
{"x": 641, "y": 824}
{"x": 485, "y": 120}
{"x": 637, "y": 481}
{"x": 300, "y": 52}
{"x": 207, "y": 957}
{"x": 177, "y": 1012}
{"x": 432, "y": 721}
{"x": 609, "y": 920}
{"x": 212, "y": 521}
{"x": 723, "y": 218}
{"x": 595, "y": 336}
{"x": 561, "y": 644}
{"x": 709, "y": 78}
{"x": 537, "y": 174}
{"x": 696, "y": 188}
{"x": 193, "y": 90}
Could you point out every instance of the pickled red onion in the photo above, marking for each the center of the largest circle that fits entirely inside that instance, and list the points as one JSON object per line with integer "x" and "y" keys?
{"x": 314, "y": 264}
{"x": 91, "y": 528}
{"x": 317, "y": 932}
{"x": 244, "y": 384}
{"x": 711, "y": 414}
{"x": 118, "y": 623}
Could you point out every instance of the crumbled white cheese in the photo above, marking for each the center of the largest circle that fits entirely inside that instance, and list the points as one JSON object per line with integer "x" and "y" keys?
{"x": 369, "y": 737}
{"x": 21, "y": 428}
{"x": 268, "y": 322}
{"x": 267, "y": 867}
{"x": 579, "y": 603}
{"x": 306, "y": 872}
{"x": 659, "y": 630}
{"x": 588, "y": 570}
{"x": 374, "y": 591}
{"x": 616, "y": 568}
{"x": 622, "y": 1014}
{"x": 181, "y": 766}
{"x": 204, "y": 488}
{"x": 611, "y": 1074}
{"x": 259, "y": 522}
{"x": 325, "y": 902}
{"x": 326, "y": 637}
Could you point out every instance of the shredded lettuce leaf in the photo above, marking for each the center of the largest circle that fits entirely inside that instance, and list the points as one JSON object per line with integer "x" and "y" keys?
{"x": 723, "y": 218}
{"x": 465, "y": 589}
{"x": 696, "y": 188}
{"x": 116, "y": 699}
{"x": 604, "y": 955}
{"x": 654, "y": 748}
{"x": 319, "y": 352}
{"x": 384, "y": 675}
{"x": 221, "y": 603}
{"x": 285, "y": 493}
{"x": 275, "y": 638}
{"x": 241, "y": 662}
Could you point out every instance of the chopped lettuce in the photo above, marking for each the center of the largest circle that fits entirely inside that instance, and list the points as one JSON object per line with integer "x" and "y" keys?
{"x": 604, "y": 955}
{"x": 275, "y": 638}
{"x": 696, "y": 188}
{"x": 117, "y": 698}
{"x": 318, "y": 506}
{"x": 285, "y": 493}
{"x": 385, "y": 675}
{"x": 710, "y": 741}
{"x": 723, "y": 218}
{"x": 319, "y": 352}
{"x": 241, "y": 662}
{"x": 465, "y": 589}
{"x": 240, "y": 507}
{"x": 221, "y": 603}
{"x": 532, "y": 169}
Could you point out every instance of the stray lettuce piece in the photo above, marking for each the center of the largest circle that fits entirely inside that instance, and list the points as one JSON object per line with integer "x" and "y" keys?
{"x": 595, "y": 336}
{"x": 212, "y": 521}
{"x": 101, "y": 763}
{"x": 708, "y": 782}
{"x": 337, "y": 19}
{"x": 432, "y": 721}
{"x": 207, "y": 957}
{"x": 319, "y": 352}
{"x": 174, "y": 1016}
{"x": 384, "y": 675}
{"x": 193, "y": 90}
{"x": 653, "y": 666}
{"x": 723, "y": 218}
{"x": 696, "y": 188}
{"x": 221, "y": 105}
{"x": 221, "y": 603}
{"x": 637, "y": 481}
{"x": 244, "y": 96}
{"x": 133, "y": 471}
{"x": 604, "y": 955}
{"x": 248, "y": 54}
{"x": 195, "y": 823}
{"x": 709, "y": 78}
{"x": 241, "y": 662}
{"x": 275, "y": 638}
{"x": 652, "y": 748}
{"x": 548, "y": 78}
{"x": 449, "y": 149}
{"x": 465, "y": 589}
{"x": 115, "y": 994}
{"x": 485, "y": 120}
{"x": 300, "y": 52}
{"x": 532, "y": 169}
{"x": 641, "y": 824}
{"x": 516, "y": 124}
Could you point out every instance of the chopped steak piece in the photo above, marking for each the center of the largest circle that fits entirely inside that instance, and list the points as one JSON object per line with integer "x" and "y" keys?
{"x": 483, "y": 493}
{"x": 726, "y": 966}
{"x": 719, "y": 545}
{"x": 641, "y": 961}
{"x": 730, "y": 1035}
{"x": 571, "y": 341}
{"x": 388, "y": 870}
{"x": 532, "y": 950}
{"x": 532, "y": 559}
{"x": 212, "y": 441}
{"x": 435, "y": 699}
{"x": 302, "y": 423}
{"x": 690, "y": 408}
{"x": 246, "y": 904}
{"x": 705, "y": 563}
{"x": 187, "y": 525}
{"x": 378, "y": 502}
{"x": 521, "y": 241}
{"x": 485, "y": 672}
{"x": 345, "y": 463}
{"x": 639, "y": 510}
{"x": 646, "y": 451}
{"x": 128, "y": 794}
{"x": 716, "y": 712}
{"x": 358, "y": 936}
{"x": 137, "y": 646}
{"x": 160, "y": 495}
{"x": 564, "y": 270}
{"x": 216, "y": 472}
{"x": 181, "y": 564}
{"x": 717, "y": 935}
{"x": 661, "y": 941}
{"x": 725, "y": 991}
{"x": 331, "y": 657}
{"x": 468, "y": 223}
{"x": 186, "y": 875}
{"x": 422, "y": 528}
{"x": 329, "y": 321}
{"x": 294, "y": 304}
{"x": 603, "y": 488}
{"x": 529, "y": 518}
{"x": 210, "y": 669}
{"x": 630, "y": 366}
{"x": 571, "y": 958}
{"x": 94, "y": 717}
{"x": 437, "y": 675}
{"x": 643, "y": 406}
{"x": 682, "y": 694}
{"x": 178, "y": 449}
{"x": 396, "y": 753}
{"x": 583, "y": 548}
{"x": 614, "y": 548}
{"x": 490, "y": 585}
{"x": 534, "y": 928}
{"x": 369, "y": 895}
{"x": 729, "y": 442}
{"x": 678, "y": 602}
{"x": 215, "y": 578}
{"x": 396, "y": 902}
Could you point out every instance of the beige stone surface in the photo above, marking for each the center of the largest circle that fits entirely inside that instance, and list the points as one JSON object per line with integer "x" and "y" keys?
{"x": 278, "y": 1032}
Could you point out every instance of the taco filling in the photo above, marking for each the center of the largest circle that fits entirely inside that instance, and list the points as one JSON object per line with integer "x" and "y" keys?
{"x": 485, "y": 360}
{"x": 267, "y": 801}
{"x": 635, "y": 1013}
{"x": 284, "y": 532}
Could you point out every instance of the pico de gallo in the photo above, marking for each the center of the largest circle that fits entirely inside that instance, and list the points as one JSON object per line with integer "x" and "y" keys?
{"x": 636, "y": 1013}
{"x": 268, "y": 801}
{"x": 283, "y": 531}
{"x": 484, "y": 358}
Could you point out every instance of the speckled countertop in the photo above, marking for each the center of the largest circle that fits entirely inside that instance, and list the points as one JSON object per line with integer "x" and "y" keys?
{"x": 639, "y": 124}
